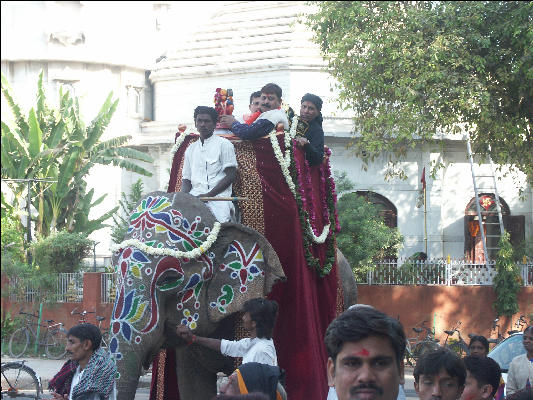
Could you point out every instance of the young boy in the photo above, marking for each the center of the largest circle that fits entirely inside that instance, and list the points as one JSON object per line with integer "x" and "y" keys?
{"x": 482, "y": 378}
{"x": 439, "y": 375}
{"x": 259, "y": 319}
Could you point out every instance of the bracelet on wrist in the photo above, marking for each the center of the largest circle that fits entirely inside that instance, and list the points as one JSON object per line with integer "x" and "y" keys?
{"x": 193, "y": 340}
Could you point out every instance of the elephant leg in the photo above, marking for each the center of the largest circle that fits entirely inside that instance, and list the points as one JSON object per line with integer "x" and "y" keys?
{"x": 197, "y": 369}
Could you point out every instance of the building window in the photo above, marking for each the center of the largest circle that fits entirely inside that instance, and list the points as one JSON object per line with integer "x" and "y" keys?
{"x": 135, "y": 101}
{"x": 387, "y": 210}
{"x": 514, "y": 224}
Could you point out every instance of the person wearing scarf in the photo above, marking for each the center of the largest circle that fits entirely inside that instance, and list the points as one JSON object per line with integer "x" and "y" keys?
{"x": 309, "y": 133}
{"x": 254, "y": 377}
{"x": 267, "y": 120}
{"x": 90, "y": 374}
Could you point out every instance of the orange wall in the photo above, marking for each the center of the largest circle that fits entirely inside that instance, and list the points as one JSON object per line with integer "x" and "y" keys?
{"x": 60, "y": 312}
{"x": 472, "y": 305}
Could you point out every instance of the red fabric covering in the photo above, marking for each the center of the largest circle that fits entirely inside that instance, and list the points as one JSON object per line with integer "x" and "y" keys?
{"x": 307, "y": 302}
{"x": 170, "y": 388}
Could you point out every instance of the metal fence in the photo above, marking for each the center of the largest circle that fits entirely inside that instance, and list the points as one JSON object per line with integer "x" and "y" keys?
{"x": 68, "y": 287}
{"x": 108, "y": 287}
{"x": 439, "y": 272}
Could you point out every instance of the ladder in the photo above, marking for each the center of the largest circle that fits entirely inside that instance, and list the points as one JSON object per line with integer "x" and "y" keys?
{"x": 480, "y": 213}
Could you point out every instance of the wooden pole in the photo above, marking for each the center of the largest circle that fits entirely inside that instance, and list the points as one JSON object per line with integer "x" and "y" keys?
{"x": 425, "y": 225}
{"x": 223, "y": 198}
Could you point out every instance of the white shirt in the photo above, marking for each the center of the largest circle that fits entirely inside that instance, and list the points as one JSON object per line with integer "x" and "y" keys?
{"x": 276, "y": 116}
{"x": 259, "y": 350}
{"x": 204, "y": 166}
{"x": 95, "y": 396}
{"x": 520, "y": 370}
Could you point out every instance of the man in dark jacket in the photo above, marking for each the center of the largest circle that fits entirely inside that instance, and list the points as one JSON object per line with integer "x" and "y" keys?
{"x": 312, "y": 137}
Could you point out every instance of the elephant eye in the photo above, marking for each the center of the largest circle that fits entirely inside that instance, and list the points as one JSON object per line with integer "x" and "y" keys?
{"x": 169, "y": 280}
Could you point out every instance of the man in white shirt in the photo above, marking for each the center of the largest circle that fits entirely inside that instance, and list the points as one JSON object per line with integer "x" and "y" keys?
{"x": 271, "y": 116}
{"x": 210, "y": 165}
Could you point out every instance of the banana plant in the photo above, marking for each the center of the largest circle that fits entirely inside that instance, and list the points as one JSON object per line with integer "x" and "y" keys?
{"x": 54, "y": 144}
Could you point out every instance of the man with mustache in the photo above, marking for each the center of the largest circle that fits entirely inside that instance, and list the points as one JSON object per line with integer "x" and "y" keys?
{"x": 271, "y": 115}
{"x": 365, "y": 355}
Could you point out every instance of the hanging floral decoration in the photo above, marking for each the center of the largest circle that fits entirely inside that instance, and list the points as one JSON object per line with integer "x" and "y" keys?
{"x": 164, "y": 251}
{"x": 299, "y": 182}
{"x": 184, "y": 131}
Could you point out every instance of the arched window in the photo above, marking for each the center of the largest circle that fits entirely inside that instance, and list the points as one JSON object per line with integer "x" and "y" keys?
{"x": 490, "y": 222}
{"x": 386, "y": 209}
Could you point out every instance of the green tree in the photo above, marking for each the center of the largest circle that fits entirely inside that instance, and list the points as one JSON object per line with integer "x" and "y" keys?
{"x": 507, "y": 280}
{"x": 61, "y": 252}
{"x": 414, "y": 70}
{"x": 363, "y": 237}
{"x": 55, "y": 144}
{"x": 121, "y": 218}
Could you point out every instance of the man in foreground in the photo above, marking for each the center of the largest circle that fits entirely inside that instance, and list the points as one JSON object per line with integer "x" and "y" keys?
{"x": 439, "y": 375}
{"x": 90, "y": 374}
{"x": 210, "y": 165}
{"x": 365, "y": 355}
{"x": 483, "y": 376}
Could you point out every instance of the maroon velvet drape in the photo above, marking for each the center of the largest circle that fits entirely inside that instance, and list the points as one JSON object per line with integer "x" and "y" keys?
{"x": 307, "y": 302}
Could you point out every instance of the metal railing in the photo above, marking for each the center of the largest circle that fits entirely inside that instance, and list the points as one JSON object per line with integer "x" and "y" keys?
{"x": 68, "y": 287}
{"x": 108, "y": 287}
{"x": 439, "y": 272}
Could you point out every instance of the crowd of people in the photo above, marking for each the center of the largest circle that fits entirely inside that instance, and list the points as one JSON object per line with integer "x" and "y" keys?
{"x": 365, "y": 347}
{"x": 210, "y": 165}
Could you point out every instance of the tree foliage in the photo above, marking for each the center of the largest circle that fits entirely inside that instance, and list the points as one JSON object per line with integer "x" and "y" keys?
{"x": 61, "y": 252}
{"x": 55, "y": 144}
{"x": 414, "y": 70}
{"x": 507, "y": 280}
{"x": 364, "y": 236}
{"x": 121, "y": 218}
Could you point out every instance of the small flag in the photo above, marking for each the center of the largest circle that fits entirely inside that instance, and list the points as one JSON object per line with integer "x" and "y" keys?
{"x": 423, "y": 180}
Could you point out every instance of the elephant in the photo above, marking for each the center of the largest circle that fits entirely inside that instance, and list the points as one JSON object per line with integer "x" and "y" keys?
{"x": 178, "y": 265}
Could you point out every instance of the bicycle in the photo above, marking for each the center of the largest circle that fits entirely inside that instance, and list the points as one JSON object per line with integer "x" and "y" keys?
{"x": 54, "y": 338}
{"x": 459, "y": 347}
{"x": 20, "y": 380}
{"x": 499, "y": 337}
{"x": 83, "y": 320}
{"x": 520, "y": 324}
{"x": 416, "y": 347}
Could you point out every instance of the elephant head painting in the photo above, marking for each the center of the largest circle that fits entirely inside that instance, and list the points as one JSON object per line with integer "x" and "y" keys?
{"x": 178, "y": 265}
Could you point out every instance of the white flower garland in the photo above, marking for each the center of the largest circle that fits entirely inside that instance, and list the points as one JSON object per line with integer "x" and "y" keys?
{"x": 195, "y": 253}
{"x": 180, "y": 140}
{"x": 323, "y": 236}
{"x": 284, "y": 162}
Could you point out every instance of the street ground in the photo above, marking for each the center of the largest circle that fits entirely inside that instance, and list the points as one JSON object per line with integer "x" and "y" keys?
{"x": 46, "y": 369}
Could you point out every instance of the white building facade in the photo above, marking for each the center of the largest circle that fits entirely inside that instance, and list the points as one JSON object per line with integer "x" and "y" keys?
{"x": 238, "y": 45}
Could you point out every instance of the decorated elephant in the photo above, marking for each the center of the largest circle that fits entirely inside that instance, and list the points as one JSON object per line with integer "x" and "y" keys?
{"x": 178, "y": 265}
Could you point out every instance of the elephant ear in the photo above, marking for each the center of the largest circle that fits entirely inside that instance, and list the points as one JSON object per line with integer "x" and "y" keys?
{"x": 247, "y": 268}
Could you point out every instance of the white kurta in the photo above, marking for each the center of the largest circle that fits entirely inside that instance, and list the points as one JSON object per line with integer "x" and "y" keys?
{"x": 259, "y": 350}
{"x": 520, "y": 370}
{"x": 204, "y": 166}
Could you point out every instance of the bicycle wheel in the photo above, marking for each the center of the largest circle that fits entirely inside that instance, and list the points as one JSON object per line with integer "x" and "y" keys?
{"x": 459, "y": 348}
{"x": 105, "y": 340}
{"x": 18, "y": 343}
{"x": 55, "y": 344}
{"x": 19, "y": 380}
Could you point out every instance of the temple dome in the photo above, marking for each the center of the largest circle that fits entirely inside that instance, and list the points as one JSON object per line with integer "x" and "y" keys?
{"x": 243, "y": 36}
